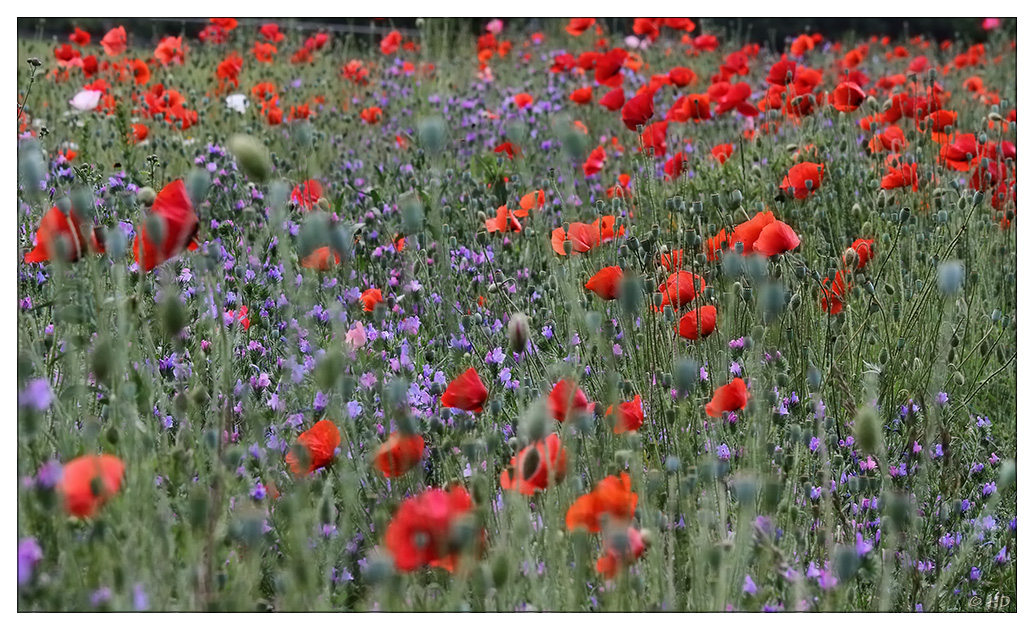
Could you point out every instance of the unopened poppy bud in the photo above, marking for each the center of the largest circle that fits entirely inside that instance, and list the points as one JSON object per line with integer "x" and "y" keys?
{"x": 198, "y": 183}
{"x": 851, "y": 258}
{"x": 518, "y": 332}
{"x": 868, "y": 430}
{"x": 34, "y": 62}
{"x": 252, "y": 156}
{"x": 568, "y": 247}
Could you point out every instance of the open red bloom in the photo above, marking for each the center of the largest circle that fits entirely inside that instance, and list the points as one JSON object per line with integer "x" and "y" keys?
{"x": 653, "y": 138}
{"x": 170, "y": 51}
{"x": 680, "y": 289}
{"x": 729, "y": 398}
{"x": 696, "y": 107}
{"x": 613, "y": 100}
{"x": 698, "y": 323}
{"x": 523, "y": 100}
{"x": 805, "y": 178}
{"x": 565, "y": 398}
{"x": 901, "y": 177}
{"x": 864, "y": 248}
{"x": 421, "y": 530}
{"x": 271, "y": 32}
{"x": 466, "y": 392}
{"x": 371, "y": 115}
{"x": 180, "y": 225}
{"x": 638, "y": 110}
{"x": 735, "y": 97}
{"x": 390, "y": 43}
{"x": 307, "y": 194}
{"x": 776, "y": 238}
{"x": 782, "y": 72}
{"x": 114, "y": 42}
{"x": 316, "y": 446}
{"x": 87, "y": 482}
{"x": 578, "y": 26}
{"x": 606, "y": 282}
{"x": 320, "y": 259}
{"x": 608, "y": 69}
{"x": 612, "y": 498}
{"x": 582, "y": 96}
{"x": 847, "y": 97}
{"x": 399, "y": 454}
{"x": 630, "y": 415}
{"x": 681, "y": 77}
{"x": 508, "y": 148}
{"x": 79, "y": 37}
{"x": 748, "y": 232}
{"x": 615, "y": 557}
{"x": 722, "y": 152}
{"x": 371, "y": 298}
{"x": 536, "y": 466}
{"x": 675, "y": 166}
{"x": 595, "y": 162}
{"x": 833, "y": 294}
{"x": 57, "y": 226}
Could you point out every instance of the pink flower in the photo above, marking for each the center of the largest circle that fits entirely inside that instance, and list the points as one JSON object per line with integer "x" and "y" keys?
{"x": 356, "y": 336}
{"x": 494, "y": 27}
{"x": 990, "y": 24}
{"x": 86, "y": 101}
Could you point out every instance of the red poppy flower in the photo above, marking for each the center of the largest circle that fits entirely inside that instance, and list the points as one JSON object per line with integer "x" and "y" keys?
{"x": 675, "y": 166}
{"x": 616, "y": 558}
{"x": 722, "y": 152}
{"x": 696, "y": 107}
{"x": 681, "y": 77}
{"x": 227, "y": 24}
{"x": 228, "y": 69}
{"x": 679, "y": 24}
{"x": 691, "y": 329}
{"x": 609, "y": 66}
{"x": 79, "y": 37}
{"x": 271, "y": 32}
{"x": 307, "y": 194}
{"x": 847, "y": 97}
{"x": 421, "y": 530}
{"x": 776, "y": 238}
{"x": 800, "y": 176}
{"x": 504, "y": 221}
{"x": 595, "y": 162}
{"x": 833, "y": 294}
{"x": 680, "y": 289}
{"x": 735, "y": 97}
{"x": 962, "y": 153}
{"x": 170, "y": 51}
{"x": 318, "y": 444}
{"x": 612, "y": 497}
{"x": 371, "y": 298}
{"x": 399, "y": 454}
{"x": 748, "y": 232}
{"x": 87, "y": 482}
{"x": 706, "y": 43}
{"x": 523, "y": 100}
{"x": 371, "y": 115}
{"x": 582, "y": 96}
{"x": 638, "y": 110}
{"x": 653, "y": 138}
{"x": 563, "y": 62}
{"x": 941, "y": 119}
{"x": 565, "y": 398}
{"x": 578, "y": 26}
{"x": 466, "y": 392}
{"x": 891, "y": 139}
{"x": 264, "y": 52}
{"x": 390, "y": 43}
{"x": 630, "y": 415}
{"x": 901, "y": 177}
{"x": 782, "y": 72}
{"x": 606, "y": 282}
{"x": 139, "y": 133}
{"x": 320, "y": 259}
{"x": 179, "y": 228}
{"x": 508, "y": 148}
{"x": 535, "y": 199}
{"x": 55, "y": 226}
{"x": 613, "y": 100}
{"x": 729, "y": 398}
{"x": 536, "y": 466}
{"x": 114, "y": 42}
{"x": 865, "y": 250}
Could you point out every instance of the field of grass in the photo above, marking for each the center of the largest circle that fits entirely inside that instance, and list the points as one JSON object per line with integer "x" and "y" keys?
{"x": 566, "y": 320}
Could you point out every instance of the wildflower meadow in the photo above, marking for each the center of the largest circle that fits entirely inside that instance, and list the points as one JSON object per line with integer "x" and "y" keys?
{"x": 570, "y": 315}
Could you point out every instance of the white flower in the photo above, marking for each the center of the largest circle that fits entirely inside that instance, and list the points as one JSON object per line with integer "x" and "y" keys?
{"x": 237, "y": 102}
{"x": 86, "y": 100}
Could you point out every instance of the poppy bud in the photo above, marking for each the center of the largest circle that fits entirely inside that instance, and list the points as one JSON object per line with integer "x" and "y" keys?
{"x": 518, "y": 332}
{"x": 174, "y": 316}
{"x": 252, "y": 156}
{"x": 868, "y": 430}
